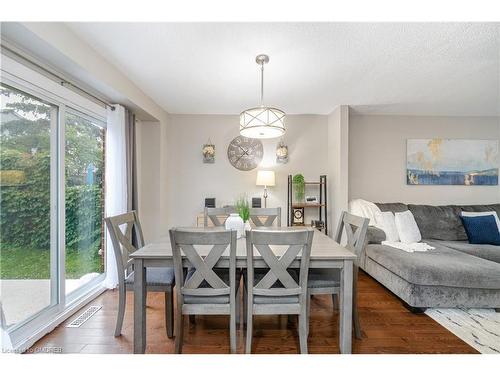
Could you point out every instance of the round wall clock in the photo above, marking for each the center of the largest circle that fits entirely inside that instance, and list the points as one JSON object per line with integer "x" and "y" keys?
{"x": 245, "y": 153}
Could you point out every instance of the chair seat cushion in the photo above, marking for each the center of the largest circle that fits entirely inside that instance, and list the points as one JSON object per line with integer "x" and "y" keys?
{"x": 323, "y": 278}
{"x": 260, "y": 300}
{"x": 155, "y": 276}
{"x": 223, "y": 273}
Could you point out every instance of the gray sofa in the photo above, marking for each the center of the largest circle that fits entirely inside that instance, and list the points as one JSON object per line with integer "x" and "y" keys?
{"x": 455, "y": 274}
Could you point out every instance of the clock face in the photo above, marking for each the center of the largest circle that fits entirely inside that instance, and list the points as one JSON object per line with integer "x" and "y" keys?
{"x": 245, "y": 153}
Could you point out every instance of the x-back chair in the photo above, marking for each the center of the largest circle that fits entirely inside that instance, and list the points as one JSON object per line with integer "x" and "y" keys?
{"x": 158, "y": 279}
{"x": 265, "y": 217}
{"x": 277, "y": 290}
{"x": 204, "y": 290}
{"x": 215, "y": 213}
{"x": 325, "y": 281}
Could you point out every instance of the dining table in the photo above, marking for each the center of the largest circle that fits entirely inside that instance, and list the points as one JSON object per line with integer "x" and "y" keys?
{"x": 325, "y": 253}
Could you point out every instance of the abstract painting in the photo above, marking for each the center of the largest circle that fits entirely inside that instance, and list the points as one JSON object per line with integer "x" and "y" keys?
{"x": 451, "y": 162}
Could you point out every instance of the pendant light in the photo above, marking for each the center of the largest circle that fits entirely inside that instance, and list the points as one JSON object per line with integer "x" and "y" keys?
{"x": 262, "y": 121}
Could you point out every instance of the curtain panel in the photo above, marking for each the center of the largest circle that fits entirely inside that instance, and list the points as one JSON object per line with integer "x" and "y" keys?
{"x": 131, "y": 150}
{"x": 121, "y": 176}
{"x": 116, "y": 181}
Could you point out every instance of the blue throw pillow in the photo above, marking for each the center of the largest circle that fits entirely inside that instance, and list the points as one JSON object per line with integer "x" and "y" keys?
{"x": 481, "y": 230}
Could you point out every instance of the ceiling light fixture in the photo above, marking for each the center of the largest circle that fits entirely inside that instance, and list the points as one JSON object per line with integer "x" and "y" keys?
{"x": 262, "y": 121}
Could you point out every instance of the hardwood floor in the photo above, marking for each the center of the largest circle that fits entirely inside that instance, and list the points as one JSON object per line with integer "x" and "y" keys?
{"x": 387, "y": 327}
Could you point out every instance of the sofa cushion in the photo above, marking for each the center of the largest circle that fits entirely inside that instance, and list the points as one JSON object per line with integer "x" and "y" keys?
{"x": 481, "y": 230}
{"x": 392, "y": 207}
{"x": 488, "y": 252}
{"x": 374, "y": 235}
{"x": 439, "y": 222}
{"x": 482, "y": 208}
{"x": 442, "y": 266}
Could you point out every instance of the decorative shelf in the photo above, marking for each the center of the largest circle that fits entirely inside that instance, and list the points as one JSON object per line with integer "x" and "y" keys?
{"x": 296, "y": 211}
{"x": 300, "y": 205}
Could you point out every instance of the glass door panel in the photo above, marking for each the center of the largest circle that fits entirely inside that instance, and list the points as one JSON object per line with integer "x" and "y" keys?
{"x": 84, "y": 169}
{"x": 28, "y": 261}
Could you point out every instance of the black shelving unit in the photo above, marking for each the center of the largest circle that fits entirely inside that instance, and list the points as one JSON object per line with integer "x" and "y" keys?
{"x": 321, "y": 206}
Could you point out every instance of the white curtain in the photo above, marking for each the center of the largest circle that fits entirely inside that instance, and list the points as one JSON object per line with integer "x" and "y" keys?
{"x": 116, "y": 181}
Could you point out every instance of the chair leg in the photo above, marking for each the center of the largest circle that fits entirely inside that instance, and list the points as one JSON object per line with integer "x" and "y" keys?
{"x": 169, "y": 313}
{"x": 179, "y": 333}
{"x": 303, "y": 331}
{"x": 245, "y": 308}
{"x": 238, "y": 306}
{"x": 248, "y": 345}
{"x": 122, "y": 298}
{"x": 308, "y": 311}
{"x": 355, "y": 313}
{"x": 232, "y": 329}
{"x": 249, "y": 321}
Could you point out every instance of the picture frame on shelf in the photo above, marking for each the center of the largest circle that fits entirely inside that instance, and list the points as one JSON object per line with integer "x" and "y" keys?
{"x": 311, "y": 199}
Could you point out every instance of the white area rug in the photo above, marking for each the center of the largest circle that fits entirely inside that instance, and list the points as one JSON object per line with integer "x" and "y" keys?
{"x": 480, "y": 328}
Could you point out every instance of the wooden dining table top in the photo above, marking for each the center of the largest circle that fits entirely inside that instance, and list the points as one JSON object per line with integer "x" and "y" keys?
{"x": 323, "y": 248}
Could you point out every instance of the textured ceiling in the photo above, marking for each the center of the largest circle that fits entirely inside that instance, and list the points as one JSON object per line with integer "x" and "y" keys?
{"x": 412, "y": 68}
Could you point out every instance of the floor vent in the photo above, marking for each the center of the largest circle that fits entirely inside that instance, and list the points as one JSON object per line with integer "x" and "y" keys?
{"x": 83, "y": 317}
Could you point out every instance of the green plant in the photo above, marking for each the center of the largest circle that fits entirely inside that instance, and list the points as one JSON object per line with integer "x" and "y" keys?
{"x": 299, "y": 187}
{"x": 243, "y": 208}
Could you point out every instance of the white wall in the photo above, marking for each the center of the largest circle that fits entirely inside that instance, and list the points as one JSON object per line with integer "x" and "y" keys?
{"x": 377, "y": 158}
{"x": 190, "y": 181}
{"x": 151, "y": 192}
{"x": 338, "y": 154}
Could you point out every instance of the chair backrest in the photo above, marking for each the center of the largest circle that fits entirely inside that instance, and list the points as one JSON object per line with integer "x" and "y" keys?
{"x": 355, "y": 228}
{"x": 214, "y": 215}
{"x": 202, "y": 249}
{"x": 298, "y": 241}
{"x": 122, "y": 240}
{"x": 265, "y": 217}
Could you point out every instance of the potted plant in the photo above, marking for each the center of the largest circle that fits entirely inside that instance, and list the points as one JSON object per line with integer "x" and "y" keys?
{"x": 243, "y": 209}
{"x": 299, "y": 187}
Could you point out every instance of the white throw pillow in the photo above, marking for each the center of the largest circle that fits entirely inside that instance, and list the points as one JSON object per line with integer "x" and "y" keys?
{"x": 486, "y": 213}
{"x": 386, "y": 221}
{"x": 407, "y": 227}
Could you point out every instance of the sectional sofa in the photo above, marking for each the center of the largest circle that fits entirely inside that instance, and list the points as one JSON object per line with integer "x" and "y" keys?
{"x": 455, "y": 274}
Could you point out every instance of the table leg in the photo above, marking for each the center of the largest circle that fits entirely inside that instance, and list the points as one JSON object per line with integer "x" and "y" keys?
{"x": 139, "y": 307}
{"x": 345, "y": 318}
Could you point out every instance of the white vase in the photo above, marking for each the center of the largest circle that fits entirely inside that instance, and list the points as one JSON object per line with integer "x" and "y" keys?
{"x": 235, "y": 222}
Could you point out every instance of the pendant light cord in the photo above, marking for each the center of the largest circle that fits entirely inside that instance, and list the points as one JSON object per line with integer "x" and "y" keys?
{"x": 262, "y": 84}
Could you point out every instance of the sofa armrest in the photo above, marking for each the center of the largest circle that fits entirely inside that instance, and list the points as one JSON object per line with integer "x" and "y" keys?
{"x": 374, "y": 235}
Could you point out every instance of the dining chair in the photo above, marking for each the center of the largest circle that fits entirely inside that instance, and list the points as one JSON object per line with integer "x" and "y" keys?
{"x": 158, "y": 279}
{"x": 205, "y": 290}
{"x": 214, "y": 213}
{"x": 327, "y": 281}
{"x": 278, "y": 289}
{"x": 265, "y": 217}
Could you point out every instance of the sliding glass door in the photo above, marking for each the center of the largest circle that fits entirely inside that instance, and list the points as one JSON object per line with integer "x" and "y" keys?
{"x": 28, "y": 247}
{"x": 84, "y": 191}
{"x": 51, "y": 200}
